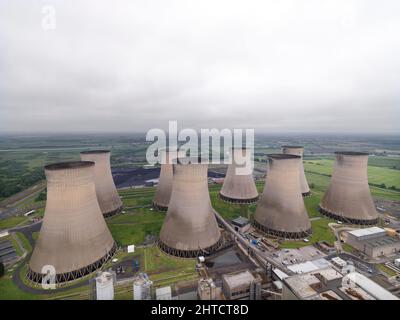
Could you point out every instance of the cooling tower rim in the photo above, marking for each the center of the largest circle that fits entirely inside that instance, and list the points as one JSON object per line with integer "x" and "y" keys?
{"x": 283, "y": 156}
{"x": 351, "y": 153}
{"x": 69, "y": 165}
{"x": 292, "y": 147}
{"x": 95, "y": 151}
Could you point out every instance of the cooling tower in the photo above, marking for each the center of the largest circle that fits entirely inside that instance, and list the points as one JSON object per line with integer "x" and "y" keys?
{"x": 164, "y": 186}
{"x": 298, "y": 151}
{"x": 190, "y": 228}
{"x": 107, "y": 195}
{"x": 74, "y": 237}
{"x": 280, "y": 211}
{"x": 239, "y": 186}
{"x": 348, "y": 197}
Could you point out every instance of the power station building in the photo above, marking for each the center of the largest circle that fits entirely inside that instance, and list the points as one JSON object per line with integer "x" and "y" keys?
{"x": 239, "y": 186}
{"x": 280, "y": 211}
{"x": 190, "y": 228}
{"x": 164, "y": 186}
{"x": 74, "y": 239}
{"x": 298, "y": 150}
{"x": 348, "y": 197}
{"x": 107, "y": 195}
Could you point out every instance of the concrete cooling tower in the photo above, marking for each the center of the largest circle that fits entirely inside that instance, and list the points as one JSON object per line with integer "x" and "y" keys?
{"x": 280, "y": 211}
{"x": 74, "y": 237}
{"x": 190, "y": 228}
{"x": 298, "y": 150}
{"x": 107, "y": 195}
{"x": 239, "y": 186}
{"x": 348, "y": 197}
{"x": 164, "y": 186}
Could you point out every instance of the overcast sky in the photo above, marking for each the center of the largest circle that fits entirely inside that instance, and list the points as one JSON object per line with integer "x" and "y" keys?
{"x": 276, "y": 66}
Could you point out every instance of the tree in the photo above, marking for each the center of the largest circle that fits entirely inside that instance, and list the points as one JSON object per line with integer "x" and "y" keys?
{"x": 1, "y": 269}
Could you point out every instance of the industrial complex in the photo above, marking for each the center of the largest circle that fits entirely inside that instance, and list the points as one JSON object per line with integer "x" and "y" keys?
{"x": 267, "y": 252}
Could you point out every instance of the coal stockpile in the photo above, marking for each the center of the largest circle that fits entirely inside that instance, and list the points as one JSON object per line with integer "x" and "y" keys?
{"x": 130, "y": 177}
{"x": 124, "y": 177}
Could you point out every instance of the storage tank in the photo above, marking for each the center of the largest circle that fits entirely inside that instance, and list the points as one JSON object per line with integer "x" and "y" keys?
{"x": 107, "y": 195}
{"x": 105, "y": 286}
{"x": 280, "y": 211}
{"x": 298, "y": 150}
{"x": 348, "y": 197}
{"x": 74, "y": 238}
{"x": 190, "y": 228}
{"x": 239, "y": 186}
{"x": 142, "y": 287}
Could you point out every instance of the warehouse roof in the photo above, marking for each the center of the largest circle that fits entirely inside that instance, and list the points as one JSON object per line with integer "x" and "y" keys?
{"x": 366, "y": 231}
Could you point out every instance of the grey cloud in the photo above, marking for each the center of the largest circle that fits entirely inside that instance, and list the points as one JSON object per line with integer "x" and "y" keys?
{"x": 292, "y": 65}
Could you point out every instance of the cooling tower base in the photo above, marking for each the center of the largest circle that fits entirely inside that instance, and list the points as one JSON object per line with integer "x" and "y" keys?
{"x": 237, "y": 201}
{"x": 159, "y": 207}
{"x": 190, "y": 254}
{"x": 347, "y": 220}
{"x": 112, "y": 213}
{"x": 282, "y": 234}
{"x": 306, "y": 194}
{"x": 73, "y": 275}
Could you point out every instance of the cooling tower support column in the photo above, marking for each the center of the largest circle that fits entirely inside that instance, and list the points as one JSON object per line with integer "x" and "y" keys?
{"x": 107, "y": 195}
{"x": 298, "y": 150}
{"x": 190, "y": 228}
{"x": 280, "y": 211}
{"x": 239, "y": 186}
{"x": 348, "y": 197}
{"x": 74, "y": 238}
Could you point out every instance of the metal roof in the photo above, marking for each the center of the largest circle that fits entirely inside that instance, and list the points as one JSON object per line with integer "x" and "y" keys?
{"x": 367, "y": 231}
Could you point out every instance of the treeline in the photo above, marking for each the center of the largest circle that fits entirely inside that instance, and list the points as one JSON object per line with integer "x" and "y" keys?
{"x": 13, "y": 184}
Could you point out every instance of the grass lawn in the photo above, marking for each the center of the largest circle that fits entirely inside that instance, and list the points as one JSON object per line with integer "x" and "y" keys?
{"x": 321, "y": 231}
{"x": 348, "y": 248}
{"x": 385, "y": 269}
{"x": 376, "y": 175}
{"x": 9, "y": 291}
{"x": 12, "y": 222}
{"x": 132, "y": 228}
{"x": 24, "y": 241}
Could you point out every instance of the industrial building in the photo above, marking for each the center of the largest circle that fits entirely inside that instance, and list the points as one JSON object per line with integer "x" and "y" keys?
{"x": 241, "y": 224}
{"x": 348, "y": 197}
{"x": 239, "y": 186}
{"x": 373, "y": 242}
{"x": 164, "y": 293}
{"x": 329, "y": 284}
{"x": 107, "y": 195}
{"x": 207, "y": 290}
{"x": 74, "y": 237}
{"x": 105, "y": 286}
{"x": 190, "y": 228}
{"x": 298, "y": 151}
{"x": 280, "y": 211}
{"x": 240, "y": 285}
{"x": 142, "y": 287}
{"x": 164, "y": 186}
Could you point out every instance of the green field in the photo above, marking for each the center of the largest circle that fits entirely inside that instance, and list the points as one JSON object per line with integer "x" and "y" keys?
{"x": 376, "y": 175}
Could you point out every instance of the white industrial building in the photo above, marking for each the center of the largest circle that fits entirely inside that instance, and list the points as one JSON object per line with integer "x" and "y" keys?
{"x": 373, "y": 242}
{"x": 329, "y": 284}
{"x": 142, "y": 287}
{"x": 105, "y": 286}
{"x": 164, "y": 293}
